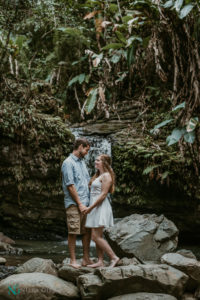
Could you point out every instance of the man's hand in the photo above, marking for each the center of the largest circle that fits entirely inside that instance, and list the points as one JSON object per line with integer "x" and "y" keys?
{"x": 82, "y": 208}
{"x": 88, "y": 210}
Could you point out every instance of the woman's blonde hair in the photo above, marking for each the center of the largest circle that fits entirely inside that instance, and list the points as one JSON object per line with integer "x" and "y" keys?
{"x": 106, "y": 162}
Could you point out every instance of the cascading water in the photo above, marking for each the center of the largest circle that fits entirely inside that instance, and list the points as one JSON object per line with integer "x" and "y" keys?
{"x": 99, "y": 145}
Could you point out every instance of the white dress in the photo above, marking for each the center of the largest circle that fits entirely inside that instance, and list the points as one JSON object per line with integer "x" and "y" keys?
{"x": 102, "y": 214}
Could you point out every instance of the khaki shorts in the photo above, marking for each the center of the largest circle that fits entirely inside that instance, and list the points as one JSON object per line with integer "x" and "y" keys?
{"x": 75, "y": 220}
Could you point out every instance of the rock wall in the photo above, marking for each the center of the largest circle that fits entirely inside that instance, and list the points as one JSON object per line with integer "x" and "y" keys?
{"x": 34, "y": 142}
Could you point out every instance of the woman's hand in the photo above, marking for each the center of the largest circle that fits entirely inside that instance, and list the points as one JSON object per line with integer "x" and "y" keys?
{"x": 87, "y": 210}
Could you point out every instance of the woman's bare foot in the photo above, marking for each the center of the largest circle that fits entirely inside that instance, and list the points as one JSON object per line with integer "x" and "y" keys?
{"x": 96, "y": 265}
{"x": 75, "y": 265}
{"x": 86, "y": 262}
{"x": 113, "y": 262}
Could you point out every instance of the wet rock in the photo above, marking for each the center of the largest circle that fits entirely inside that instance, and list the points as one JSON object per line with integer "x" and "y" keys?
{"x": 40, "y": 265}
{"x": 90, "y": 287}
{"x": 125, "y": 261}
{"x": 144, "y": 296}
{"x": 6, "y": 248}
{"x": 6, "y": 271}
{"x": 110, "y": 282}
{"x": 6, "y": 239}
{"x": 186, "y": 253}
{"x": 147, "y": 237}
{"x": 34, "y": 286}
{"x": 189, "y": 266}
{"x": 71, "y": 274}
{"x": 2, "y": 261}
{"x": 188, "y": 297}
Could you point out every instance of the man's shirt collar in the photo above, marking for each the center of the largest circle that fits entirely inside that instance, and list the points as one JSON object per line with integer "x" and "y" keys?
{"x": 75, "y": 157}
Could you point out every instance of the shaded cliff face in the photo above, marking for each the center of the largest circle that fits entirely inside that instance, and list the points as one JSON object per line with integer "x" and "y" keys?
{"x": 150, "y": 176}
{"x": 34, "y": 142}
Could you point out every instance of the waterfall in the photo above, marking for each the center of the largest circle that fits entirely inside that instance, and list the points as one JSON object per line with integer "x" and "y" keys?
{"x": 99, "y": 145}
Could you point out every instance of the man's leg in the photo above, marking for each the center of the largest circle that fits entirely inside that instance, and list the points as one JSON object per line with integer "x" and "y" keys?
{"x": 86, "y": 238}
{"x": 72, "y": 250}
{"x": 73, "y": 224}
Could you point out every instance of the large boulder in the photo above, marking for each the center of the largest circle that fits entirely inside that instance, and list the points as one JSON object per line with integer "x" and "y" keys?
{"x": 71, "y": 274}
{"x": 6, "y": 239}
{"x": 6, "y": 248}
{"x": 34, "y": 286}
{"x": 2, "y": 261}
{"x": 111, "y": 282}
{"x": 37, "y": 264}
{"x": 189, "y": 266}
{"x": 144, "y": 296}
{"x": 147, "y": 237}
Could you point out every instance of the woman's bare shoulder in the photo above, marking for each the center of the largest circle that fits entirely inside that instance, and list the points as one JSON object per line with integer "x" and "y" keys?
{"x": 106, "y": 176}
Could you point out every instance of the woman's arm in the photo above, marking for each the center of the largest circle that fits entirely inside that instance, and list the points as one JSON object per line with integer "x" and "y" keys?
{"x": 106, "y": 183}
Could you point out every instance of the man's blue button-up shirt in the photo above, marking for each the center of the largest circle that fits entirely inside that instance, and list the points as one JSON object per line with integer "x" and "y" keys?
{"x": 74, "y": 171}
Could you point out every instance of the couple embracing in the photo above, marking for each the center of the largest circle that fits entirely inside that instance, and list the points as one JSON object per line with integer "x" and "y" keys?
{"x": 87, "y": 204}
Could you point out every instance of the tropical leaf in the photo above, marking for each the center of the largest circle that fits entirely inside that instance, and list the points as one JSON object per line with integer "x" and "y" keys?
{"x": 185, "y": 10}
{"x": 113, "y": 46}
{"x": 91, "y": 100}
{"x": 192, "y": 124}
{"x": 161, "y": 125}
{"x": 189, "y": 137}
{"x": 79, "y": 78}
{"x": 175, "y": 136}
{"x": 149, "y": 169}
{"x": 182, "y": 105}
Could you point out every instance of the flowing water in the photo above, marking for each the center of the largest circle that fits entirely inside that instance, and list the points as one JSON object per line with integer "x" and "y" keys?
{"x": 99, "y": 145}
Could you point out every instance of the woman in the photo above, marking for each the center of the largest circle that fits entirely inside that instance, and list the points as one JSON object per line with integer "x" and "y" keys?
{"x": 99, "y": 213}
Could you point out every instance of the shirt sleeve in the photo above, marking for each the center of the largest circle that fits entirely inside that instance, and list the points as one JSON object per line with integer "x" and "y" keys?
{"x": 67, "y": 173}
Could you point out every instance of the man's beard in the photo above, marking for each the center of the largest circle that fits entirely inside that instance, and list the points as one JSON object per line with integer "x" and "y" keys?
{"x": 81, "y": 155}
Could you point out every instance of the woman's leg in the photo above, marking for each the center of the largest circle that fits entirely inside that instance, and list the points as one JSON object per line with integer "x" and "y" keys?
{"x": 100, "y": 255}
{"x": 97, "y": 237}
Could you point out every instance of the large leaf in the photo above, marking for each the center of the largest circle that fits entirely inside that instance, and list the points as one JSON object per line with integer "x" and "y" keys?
{"x": 91, "y": 100}
{"x": 185, "y": 10}
{"x": 168, "y": 4}
{"x": 192, "y": 124}
{"x": 189, "y": 137}
{"x": 161, "y": 125}
{"x": 175, "y": 136}
{"x": 149, "y": 169}
{"x": 178, "y": 5}
{"x": 132, "y": 39}
{"x": 182, "y": 105}
{"x": 79, "y": 78}
{"x": 113, "y": 46}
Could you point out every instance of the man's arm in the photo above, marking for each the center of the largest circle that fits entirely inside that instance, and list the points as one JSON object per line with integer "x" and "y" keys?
{"x": 68, "y": 177}
{"x": 73, "y": 192}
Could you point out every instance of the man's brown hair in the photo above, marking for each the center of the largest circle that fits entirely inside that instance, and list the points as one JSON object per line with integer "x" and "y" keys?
{"x": 81, "y": 141}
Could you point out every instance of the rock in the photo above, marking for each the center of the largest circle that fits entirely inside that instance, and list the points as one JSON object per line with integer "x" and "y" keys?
{"x": 144, "y": 296}
{"x": 40, "y": 265}
{"x": 6, "y": 239}
{"x": 125, "y": 261}
{"x": 189, "y": 266}
{"x": 110, "y": 282}
{"x": 186, "y": 253}
{"x": 32, "y": 286}
{"x": 90, "y": 286}
{"x": 71, "y": 274}
{"x": 6, "y": 271}
{"x": 188, "y": 297}
{"x": 147, "y": 237}
{"x": 6, "y": 248}
{"x": 197, "y": 293}
{"x": 2, "y": 261}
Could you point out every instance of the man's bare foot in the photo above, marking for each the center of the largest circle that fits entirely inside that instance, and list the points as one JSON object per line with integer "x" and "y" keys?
{"x": 75, "y": 265}
{"x": 86, "y": 262}
{"x": 96, "y": 265}
{"x": 113, "y": 262}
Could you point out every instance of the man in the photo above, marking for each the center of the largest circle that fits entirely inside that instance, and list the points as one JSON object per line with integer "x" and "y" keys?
{"x": 75, "y": 179}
